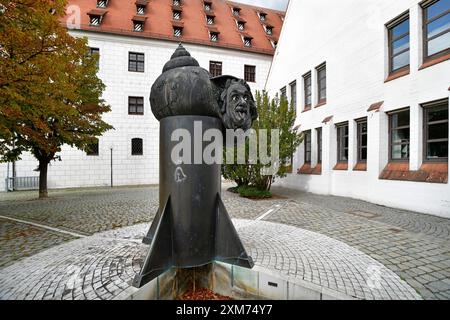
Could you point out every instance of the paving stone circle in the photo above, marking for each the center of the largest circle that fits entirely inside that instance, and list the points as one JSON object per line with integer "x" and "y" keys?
{"x": 102, "y": 266}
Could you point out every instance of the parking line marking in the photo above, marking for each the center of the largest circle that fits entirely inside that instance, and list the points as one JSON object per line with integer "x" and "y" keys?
{"x": 45, "y": 227}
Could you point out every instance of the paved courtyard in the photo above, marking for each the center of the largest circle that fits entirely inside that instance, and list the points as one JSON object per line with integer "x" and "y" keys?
{"x": 330, "y": 241}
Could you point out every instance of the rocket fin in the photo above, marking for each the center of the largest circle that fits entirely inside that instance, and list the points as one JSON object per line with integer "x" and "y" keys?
{"x": 229, "y": 248}
{"x": 151, "y": 232}
{"x": 160, "y": 256}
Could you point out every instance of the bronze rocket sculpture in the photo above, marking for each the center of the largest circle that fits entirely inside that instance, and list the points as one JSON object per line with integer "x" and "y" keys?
{"x": 192, "y": 227}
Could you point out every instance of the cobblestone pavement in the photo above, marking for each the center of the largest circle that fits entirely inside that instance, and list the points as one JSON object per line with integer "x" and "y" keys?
{"x": 19, "y": 240}
{"x": 85, "y": 211}
{"x": 102, "y": 266}
{"x": 88, "y": 211}
{"x": 415, "y": 222}
{"x": 414, "y": 246}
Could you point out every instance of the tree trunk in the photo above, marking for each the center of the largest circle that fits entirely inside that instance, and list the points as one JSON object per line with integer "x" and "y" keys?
{"x": 270, "y": 183}
{"x": 43, "y": 165}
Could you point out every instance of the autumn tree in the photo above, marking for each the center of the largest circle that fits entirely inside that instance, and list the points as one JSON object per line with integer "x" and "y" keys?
{"x": 50, "y": 94}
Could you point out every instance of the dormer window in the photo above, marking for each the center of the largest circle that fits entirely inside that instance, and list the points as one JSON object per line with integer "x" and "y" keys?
{"x": 138, "y": 26}
{"x": 176, "y": 3}
{"x": 177, "y": 32}
{"x": 236, "y": 12}
{"x": 141, "y": 6}
{"x": 262, "y": 16}
{"x": 269, "y": 30}
{"x": 247, "y": 41}
{"x": 207, "y": 6}
{"x": 138, "y": 23}
{"x": 102, "y": 3}
{"x": 241, "y": 25}
{"x": 209, "y": 19}
{"x": 96, "y": 16}
{"x": 140, "y": 10}
{"x": 95, "y": 20}
{"x": 214, "y": 36}
{"x": 176, "y": 15}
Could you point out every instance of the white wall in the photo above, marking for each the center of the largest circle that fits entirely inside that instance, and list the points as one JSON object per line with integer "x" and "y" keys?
{"x": 78, "y": 170}
{"x": 351, "y": 37}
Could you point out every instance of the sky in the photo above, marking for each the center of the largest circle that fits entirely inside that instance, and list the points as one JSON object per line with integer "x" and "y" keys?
{"x": 273, "y": 4}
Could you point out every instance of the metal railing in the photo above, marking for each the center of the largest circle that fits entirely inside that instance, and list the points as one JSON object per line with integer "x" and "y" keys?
{"x": 22, "y": 183}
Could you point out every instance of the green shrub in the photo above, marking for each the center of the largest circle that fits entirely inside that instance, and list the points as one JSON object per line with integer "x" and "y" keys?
{"x": 233, "y": 189}
{"x": 253, "y": 192}
{"x": 275, "y": 113}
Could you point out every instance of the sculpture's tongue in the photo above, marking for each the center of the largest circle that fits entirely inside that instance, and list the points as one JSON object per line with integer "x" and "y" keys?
{"x": 180, "y": 58}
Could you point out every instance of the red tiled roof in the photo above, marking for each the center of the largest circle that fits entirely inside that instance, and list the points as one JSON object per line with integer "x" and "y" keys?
{"x": 159, "y": 24}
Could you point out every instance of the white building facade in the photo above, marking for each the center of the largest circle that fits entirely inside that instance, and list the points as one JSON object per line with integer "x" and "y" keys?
{"x": 372, "y": 87}
{"x": 77, "y": 169}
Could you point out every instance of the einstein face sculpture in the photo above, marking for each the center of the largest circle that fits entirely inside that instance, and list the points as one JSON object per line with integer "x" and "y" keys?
{"x": 238, "y": 106}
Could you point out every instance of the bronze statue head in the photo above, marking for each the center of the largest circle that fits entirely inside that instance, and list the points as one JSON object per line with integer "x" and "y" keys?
{"x": 184, "y": 88}
{"x": 237, "y": 106}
